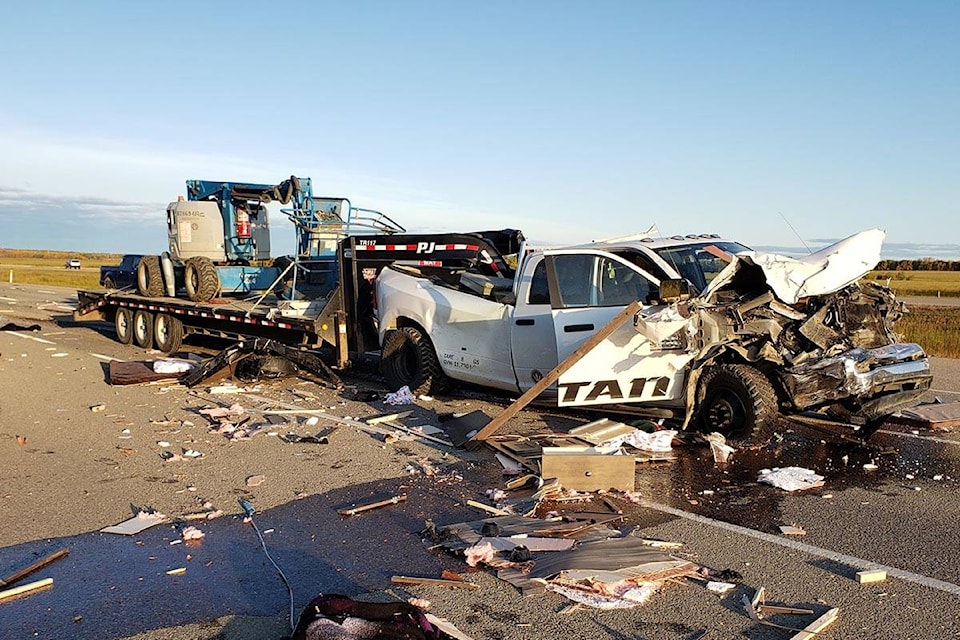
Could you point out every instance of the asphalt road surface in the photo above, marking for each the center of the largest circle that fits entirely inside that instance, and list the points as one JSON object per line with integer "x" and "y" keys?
{"x": 69, "y": 470}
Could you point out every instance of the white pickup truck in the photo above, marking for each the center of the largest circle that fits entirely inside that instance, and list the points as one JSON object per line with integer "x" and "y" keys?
{"x": 726, "y": 338}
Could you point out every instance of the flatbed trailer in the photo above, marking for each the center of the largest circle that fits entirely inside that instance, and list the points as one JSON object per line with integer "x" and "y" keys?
{"x": 342, "y": 318}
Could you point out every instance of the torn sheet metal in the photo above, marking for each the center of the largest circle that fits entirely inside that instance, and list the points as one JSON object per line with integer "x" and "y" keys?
{"x": 820, "y": 273}
{"x": 266, "y": 358}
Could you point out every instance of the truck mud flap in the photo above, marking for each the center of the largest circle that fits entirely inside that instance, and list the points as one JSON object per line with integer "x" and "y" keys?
{"x": 305, "y": 365}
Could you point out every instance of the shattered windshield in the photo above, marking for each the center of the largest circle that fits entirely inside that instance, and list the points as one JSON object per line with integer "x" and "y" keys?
{"x": 700, "y": 263}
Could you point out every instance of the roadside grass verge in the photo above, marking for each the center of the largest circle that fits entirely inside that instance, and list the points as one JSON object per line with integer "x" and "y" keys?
{"x": 919, "y": 283}
{"x": 936, "y": 329}
{"x": 72, "y": 278}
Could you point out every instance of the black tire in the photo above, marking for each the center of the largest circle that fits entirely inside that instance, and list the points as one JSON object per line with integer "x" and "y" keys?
{"x": 143, "y": 329}
{"x": 408, "y": 359}
{"x": 167, "y": 333}
{"x": 736, "y": 400}
{"x": 150, "y": 277}
{"x": 201, "y": 279}
{"x": 123, "y": 323}
{"x": 108, "y": 283}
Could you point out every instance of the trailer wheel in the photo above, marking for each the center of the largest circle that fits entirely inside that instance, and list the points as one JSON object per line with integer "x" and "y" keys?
{"x": 201, "y": 279}
{"x": 167, "y": 333}
{"x": 736, "y": 400}
{"x": 149, "y": 277}
{"x": 143, "y": 329}
{"x": 123, "y": 323}
{"x": 408, "y": 358}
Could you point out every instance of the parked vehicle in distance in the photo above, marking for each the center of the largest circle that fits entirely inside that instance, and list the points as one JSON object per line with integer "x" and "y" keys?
{"x": 122, "y": 275}
{"x": 72, "y": 263}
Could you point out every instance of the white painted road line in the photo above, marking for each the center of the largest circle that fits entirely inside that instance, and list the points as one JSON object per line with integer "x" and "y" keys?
{"x": 8, "y": 299}
{"x": 918, "y": 436}
{"x": 943, "y": 391}
{"x": 819, "y": 552}
{"x": 34, "y": 338}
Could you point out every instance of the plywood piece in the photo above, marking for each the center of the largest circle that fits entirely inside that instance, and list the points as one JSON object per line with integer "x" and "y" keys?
{"x": 584, "y": 470}
{"x": 602, "y": 430}
{"x": 939, "y": 414}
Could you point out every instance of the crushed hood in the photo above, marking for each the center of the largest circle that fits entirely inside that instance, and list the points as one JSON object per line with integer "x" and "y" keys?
{"x": 820, "y": 273}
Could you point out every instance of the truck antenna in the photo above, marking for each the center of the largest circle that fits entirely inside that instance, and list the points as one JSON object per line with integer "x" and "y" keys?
{"x": 795, "y": 232}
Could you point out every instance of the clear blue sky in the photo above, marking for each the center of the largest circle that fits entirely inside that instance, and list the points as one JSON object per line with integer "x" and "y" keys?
{"x": 570, "y": 120}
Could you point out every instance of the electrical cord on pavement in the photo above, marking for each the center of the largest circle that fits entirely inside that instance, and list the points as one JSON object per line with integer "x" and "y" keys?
{"x": 249, "y": 511}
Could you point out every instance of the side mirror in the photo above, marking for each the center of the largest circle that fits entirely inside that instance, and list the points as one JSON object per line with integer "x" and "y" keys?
{"x": 674, "y": 290}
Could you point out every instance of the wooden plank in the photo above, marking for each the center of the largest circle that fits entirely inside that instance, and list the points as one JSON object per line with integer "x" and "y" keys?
{"x": 23, "y": 589}
{"x": 373, "y": 505}
{"x": 36, "y": 566}
{"x": 434, "y": 582}
{"x": 866, "y": 577}
{"x": 817, "y": 625}
{"x": 501, "y": 419}
{"x": 588, "y": 471}
{"x": 487, "y": 508}
{"x": 795, "y": 611}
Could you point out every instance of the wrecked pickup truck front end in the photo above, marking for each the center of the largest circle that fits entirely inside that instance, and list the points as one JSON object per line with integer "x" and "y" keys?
{"x": 826, "y": 339}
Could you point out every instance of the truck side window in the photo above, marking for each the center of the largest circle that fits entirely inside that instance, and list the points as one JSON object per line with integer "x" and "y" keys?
{"x": 619, "y": 285}
{"x": 575, "y": 279}
{"x": 539, "y": 289}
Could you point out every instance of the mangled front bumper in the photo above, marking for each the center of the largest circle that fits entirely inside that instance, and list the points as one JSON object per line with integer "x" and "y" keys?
{"x": 877, "y": 381}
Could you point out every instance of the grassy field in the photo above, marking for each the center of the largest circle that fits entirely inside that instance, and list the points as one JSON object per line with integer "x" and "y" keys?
{"x": 920, "y": 283}
{"x": 936, "y": 329}
{"x": 30, "y": 266}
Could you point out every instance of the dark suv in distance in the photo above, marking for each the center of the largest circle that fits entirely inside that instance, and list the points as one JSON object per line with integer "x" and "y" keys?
{"x": 122, "y": 275}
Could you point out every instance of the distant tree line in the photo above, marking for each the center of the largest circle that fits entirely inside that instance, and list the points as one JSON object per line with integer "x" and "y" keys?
{"x": 921, "y": 264}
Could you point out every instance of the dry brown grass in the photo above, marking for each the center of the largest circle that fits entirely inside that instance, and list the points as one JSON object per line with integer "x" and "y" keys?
{"x": 936, "y": 329}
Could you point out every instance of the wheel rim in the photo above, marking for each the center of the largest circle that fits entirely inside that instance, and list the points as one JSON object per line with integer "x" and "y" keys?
{"x": 123, "y": 324}
{"x": 726, "y": 411}
{"x": 161, "y": 331}
{"x": 140, "y": 326}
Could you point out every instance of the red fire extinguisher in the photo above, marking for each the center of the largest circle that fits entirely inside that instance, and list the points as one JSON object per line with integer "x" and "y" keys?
{"x": 243, "y": 224}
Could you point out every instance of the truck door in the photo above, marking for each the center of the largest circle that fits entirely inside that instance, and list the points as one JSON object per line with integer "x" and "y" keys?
{"x": 532, "y": 339}
{"x": 565, "y": 298}
{"x": 588, "y": 290}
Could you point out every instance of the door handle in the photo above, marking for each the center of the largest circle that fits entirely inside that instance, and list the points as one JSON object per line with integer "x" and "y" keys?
{"x": 526, "y": 322}
{"x": 574, "y": 328}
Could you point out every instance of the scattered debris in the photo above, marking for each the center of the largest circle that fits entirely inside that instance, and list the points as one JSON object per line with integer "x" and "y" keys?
{"x": 12, "y": 326}
{"x": 98, "y": 408}
{"x": 791, "y": 478}
{"x": 177, "y": 572}
{"x": 719, "y": 448}
{"x": 264, "y": 358}
{"x": 720, "y": 587}
{"x": 255, "y": 481}
{"x": 336, "y": 616}
{"x": 434, "y": 582}
{"x": 873, "y": 575}
{"x": 139, "y": 522}
{"x": 792, "y": 530}
{"x": 172, "y": 366}
{"x": 400, "y": 396}
{"x": 192, "y": 533}
{"x": 374, "y": 505}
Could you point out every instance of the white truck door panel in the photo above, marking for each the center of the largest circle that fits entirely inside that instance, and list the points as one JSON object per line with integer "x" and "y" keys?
{"x": 532, "y": 338}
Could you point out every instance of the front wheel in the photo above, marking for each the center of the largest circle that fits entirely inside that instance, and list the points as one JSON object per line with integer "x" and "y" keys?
{"x": 150, "y": 277}
{"x": 201, "y": 279}
{"x": 408, "y": 359}
{"x": 736, "y": 400}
